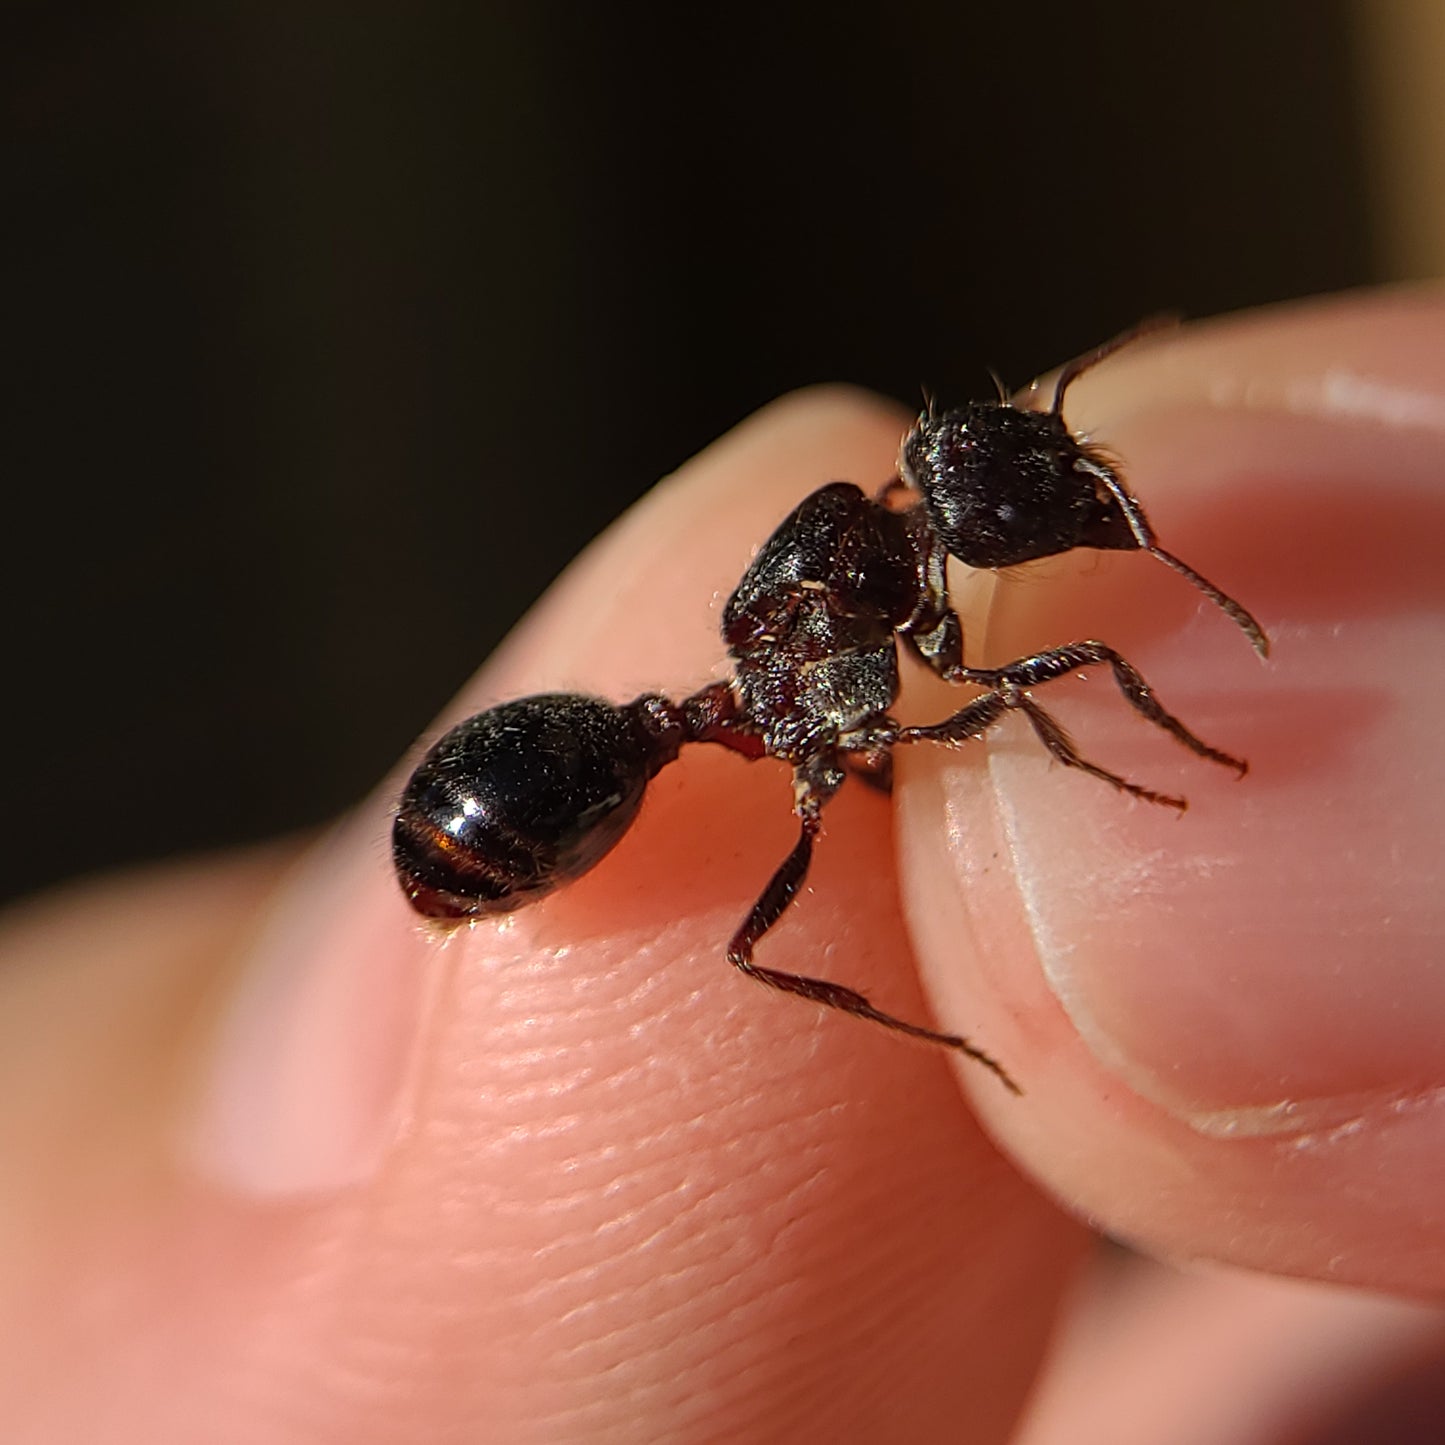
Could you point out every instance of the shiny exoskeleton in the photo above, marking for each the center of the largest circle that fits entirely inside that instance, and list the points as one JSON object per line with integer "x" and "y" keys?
{"x": 529, "y": 795}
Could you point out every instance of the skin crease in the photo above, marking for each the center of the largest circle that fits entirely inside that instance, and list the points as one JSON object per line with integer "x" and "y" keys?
{"x": 285, "y": 1165}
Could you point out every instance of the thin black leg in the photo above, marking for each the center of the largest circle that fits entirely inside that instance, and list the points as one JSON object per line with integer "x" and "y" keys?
{"x": 781, "y": 889}
{"x": 1061, "y": 746}
{"x": 983, "y": 713}
{"x": 1012, "y": 680}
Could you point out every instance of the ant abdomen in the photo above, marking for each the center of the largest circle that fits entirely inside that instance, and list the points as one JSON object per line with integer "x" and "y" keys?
{"x": 522, "y": 798}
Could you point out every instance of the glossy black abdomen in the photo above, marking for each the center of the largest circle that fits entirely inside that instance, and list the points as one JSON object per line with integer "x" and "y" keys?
{"x": 518, "y": 799}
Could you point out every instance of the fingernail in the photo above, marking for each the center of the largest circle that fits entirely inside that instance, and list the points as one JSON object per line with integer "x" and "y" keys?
{"x": 1270, "y": 962}
{"x": 302, "y": 1083}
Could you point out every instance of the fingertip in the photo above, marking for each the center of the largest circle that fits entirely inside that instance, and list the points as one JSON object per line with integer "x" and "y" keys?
{"x": 604, "y": 1161}
{"x": 1227, "y": 1025}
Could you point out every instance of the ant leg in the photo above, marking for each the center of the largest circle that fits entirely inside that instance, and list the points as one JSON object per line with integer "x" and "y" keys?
{"x": 816, "y": 782}
{"x": 1061, "y": 747}
{"x": 1016, "y": 677}
{"x": 940, "y": 645}
{"x": 984, "y": 712}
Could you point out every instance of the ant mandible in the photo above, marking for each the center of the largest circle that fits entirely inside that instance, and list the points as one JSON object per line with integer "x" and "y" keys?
{"x": 529, "y": 795}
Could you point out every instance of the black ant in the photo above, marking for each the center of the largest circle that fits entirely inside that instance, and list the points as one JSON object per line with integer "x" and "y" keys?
{"x": 529, "y": 795}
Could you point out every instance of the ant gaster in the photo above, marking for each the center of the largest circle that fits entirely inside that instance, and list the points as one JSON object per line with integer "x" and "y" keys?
{"x": 527, "y": 796}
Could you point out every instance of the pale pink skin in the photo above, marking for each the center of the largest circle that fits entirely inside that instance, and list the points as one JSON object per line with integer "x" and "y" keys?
{"x": 283, "y": 1164}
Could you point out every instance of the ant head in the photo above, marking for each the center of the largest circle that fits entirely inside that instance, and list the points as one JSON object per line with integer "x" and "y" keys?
{"x": 1002, "y": 485}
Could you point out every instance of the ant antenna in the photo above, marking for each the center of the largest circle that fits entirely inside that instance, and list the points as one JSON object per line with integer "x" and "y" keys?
{"x": 1144, "y": 535}
{"x": 1133, "y": 513}
{"x": 930, "y": 402}
{"x": 998, "y": 386}
{"x": 1258, "y": 637}
{"x": 1074, "y": 369}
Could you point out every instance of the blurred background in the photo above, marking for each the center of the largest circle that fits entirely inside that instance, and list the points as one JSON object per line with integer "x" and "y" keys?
{"x": 334, "y": 331}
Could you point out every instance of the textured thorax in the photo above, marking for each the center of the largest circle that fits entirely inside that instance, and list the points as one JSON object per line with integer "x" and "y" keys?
{"x": 811, "y": 625}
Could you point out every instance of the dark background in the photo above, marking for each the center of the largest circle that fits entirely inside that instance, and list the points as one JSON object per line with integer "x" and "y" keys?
{"x": 334, "y": 331}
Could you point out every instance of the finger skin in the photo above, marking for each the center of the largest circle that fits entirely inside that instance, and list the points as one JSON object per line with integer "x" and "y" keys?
{"x": 629, "y": 1195}
{"x": 1229, "y": 1357}
{"x": 1229, "y": 1023}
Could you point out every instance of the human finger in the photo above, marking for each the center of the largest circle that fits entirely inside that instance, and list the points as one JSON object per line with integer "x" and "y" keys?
{"x": 1227, "y": 1023}
{"x": 1231, "y": 1357}
{"x": 566, "y": 1176}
